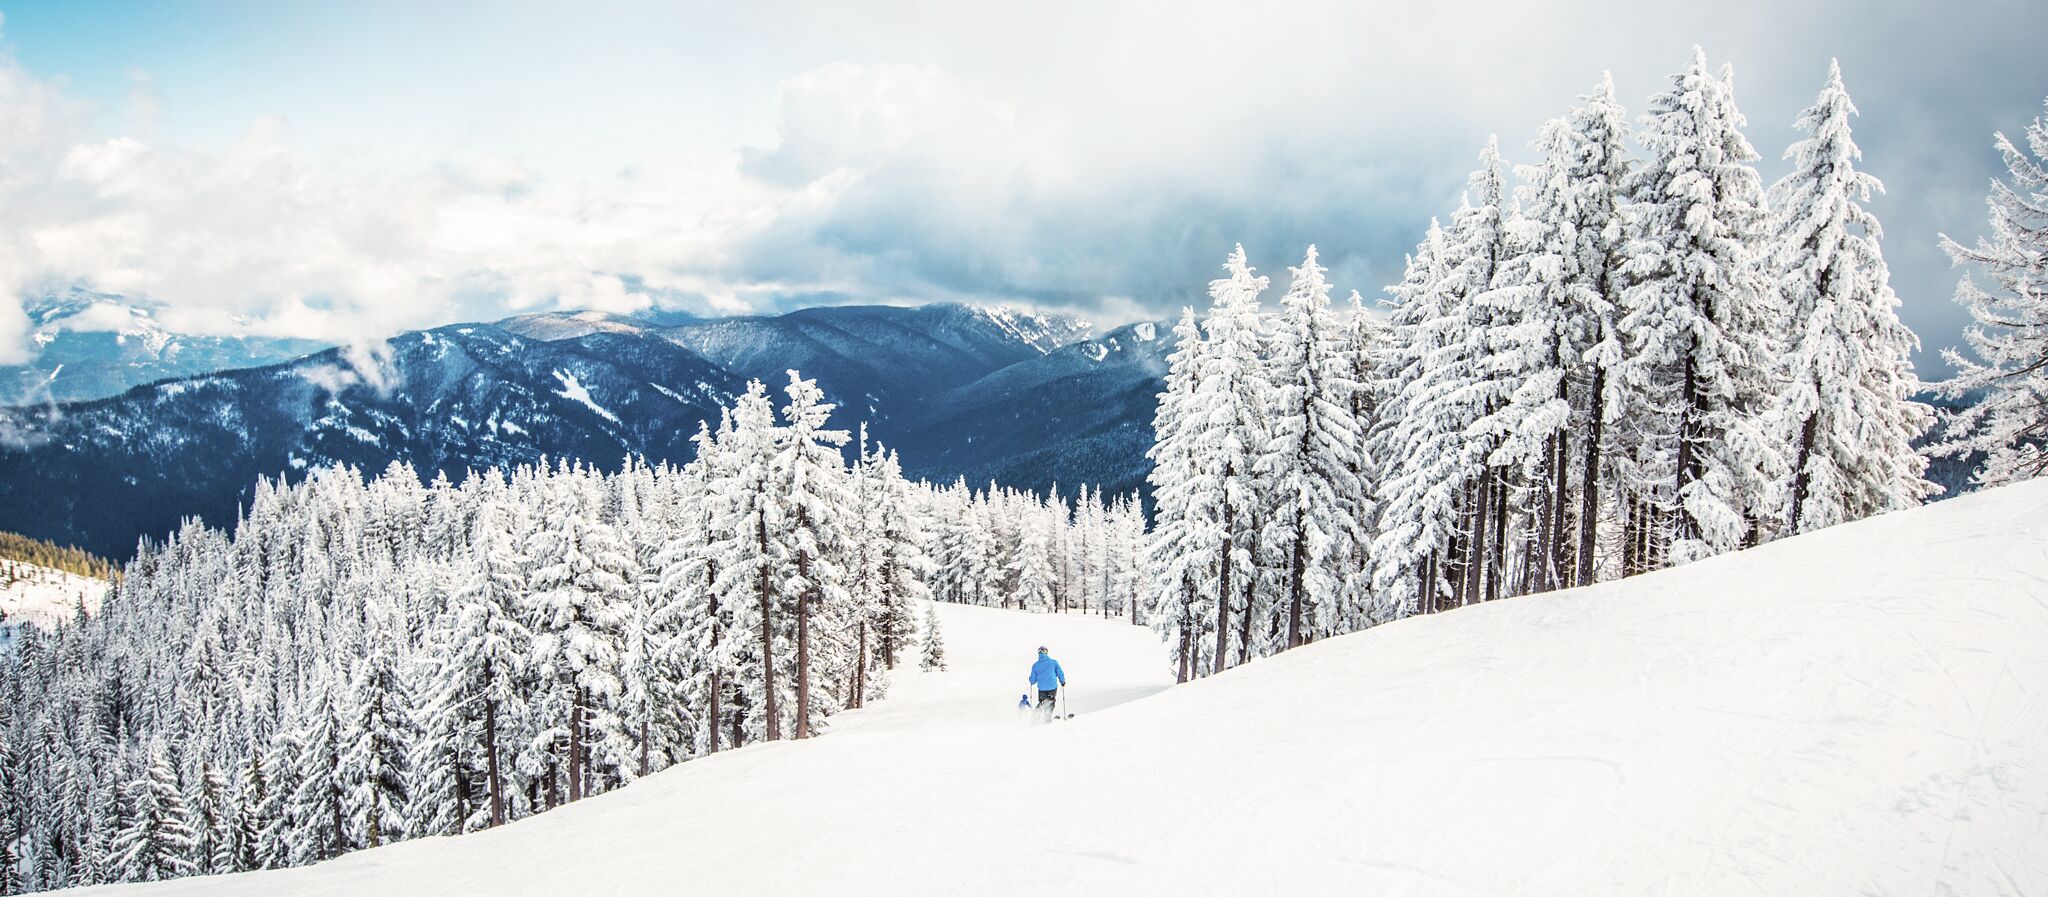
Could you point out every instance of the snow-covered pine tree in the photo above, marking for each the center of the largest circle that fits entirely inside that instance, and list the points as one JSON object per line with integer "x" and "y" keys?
{"x": 896, "y": 567}
{"x": 276, "y": 836}
{"x": 248, "y": 829}
{"x": 1476, "y": 380}
{"x": 13, "y": 803}
{"x": 1442, "y": 526}
{"x": 934, "y": 655}
{"x": 156, "y": 842}
{"x": 687, "y": 602}
{"x": 816, "y": 518}
{"x": 439, "y": 768}
{"x": 376, "y": 738}
{"x": 316, "y": 813}
{"x": 1308, "y": 464}
{"x": 747, "y": 505}
{"x": 863, "y": 555}
{"x": 1031, "y": 568}
{"x": 1182, "y": 537}
{"x": 1414, "y": 439}
{"x": 1359, "y": 606}
{"x": 1848, "y": 402}
{"x": 1562, "y": 293}
{"x": 581, "y": 588}
{"x": 210, "y": 818}
{"x": 1697, "y": 319}
{"x": 1228, "y": 429}
{"x": 487, "y": 648}
{"x": 2008, "y": 333}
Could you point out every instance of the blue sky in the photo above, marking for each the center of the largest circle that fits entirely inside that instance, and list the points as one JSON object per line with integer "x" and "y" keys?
{"x": 353, "y": 170}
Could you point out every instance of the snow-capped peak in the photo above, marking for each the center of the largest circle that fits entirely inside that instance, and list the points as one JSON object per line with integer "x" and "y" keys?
{"x": 1039, "y": 330}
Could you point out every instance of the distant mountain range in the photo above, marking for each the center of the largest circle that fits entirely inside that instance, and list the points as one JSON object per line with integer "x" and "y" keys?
{"x": 1022, "y": 399}
{"x": 90, "y": 345}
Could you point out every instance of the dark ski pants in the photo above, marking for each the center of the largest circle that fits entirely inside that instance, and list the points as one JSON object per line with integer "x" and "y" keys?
{"x": 1046, "y": 702}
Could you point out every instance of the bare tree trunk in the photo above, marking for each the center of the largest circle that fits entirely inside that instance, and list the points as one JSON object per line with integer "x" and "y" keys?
{"x": 1425, "y": 591}
{"x": 710, "y": 577}
{"x": 1688, "y": 457}
{"x": 1554, "y": 554}
{"x": 491, "y": 773}
{"x": 716, "y": 687}
{"x": 1589, "y": 489}
{"x": 889, "y": 642}
{"x": 576, "y": 746}
{"x": 1800, "y": 481}
{"x": 1297, "y": 586}
{"x": 765, "y": 589}
{"x": 803, "y": 649}
{"x": 1636, "y": 524}
{"x": 1475, "y": 562}
{"x": 645, "y": 737}
{"x": 1244, "y": 617}
{"x": 1223, "y": 600}
{"x": 860, "y": 669}
{"x": 1498, "y": 479}
{"x": 1187, "y": 637}
{"x": 1461, "y": 547}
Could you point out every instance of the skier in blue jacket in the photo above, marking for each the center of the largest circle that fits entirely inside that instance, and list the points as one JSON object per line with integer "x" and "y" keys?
{"x": 1048, "y": 678}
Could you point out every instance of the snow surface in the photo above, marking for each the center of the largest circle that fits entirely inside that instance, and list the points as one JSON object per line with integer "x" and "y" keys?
{"x": 1860, "y": 711}
{"x": 42, "y": 597}
{"x": 572, "y": 389}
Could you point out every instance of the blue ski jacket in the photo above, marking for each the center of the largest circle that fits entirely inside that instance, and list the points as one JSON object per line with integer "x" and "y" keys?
{"x": 1047, "y": 675}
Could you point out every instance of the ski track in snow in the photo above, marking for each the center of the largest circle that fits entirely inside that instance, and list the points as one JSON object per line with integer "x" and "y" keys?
{"x": 1862, "y": 711}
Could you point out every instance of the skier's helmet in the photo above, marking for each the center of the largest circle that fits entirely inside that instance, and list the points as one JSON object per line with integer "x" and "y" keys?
{"x": 1041, "y": 649}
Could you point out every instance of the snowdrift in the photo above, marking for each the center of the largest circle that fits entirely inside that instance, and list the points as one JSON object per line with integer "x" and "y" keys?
{"x": 1862, "y": 711}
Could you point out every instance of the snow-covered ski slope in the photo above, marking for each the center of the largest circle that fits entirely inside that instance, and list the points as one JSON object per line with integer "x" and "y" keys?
{"x": 1863, "y": 711}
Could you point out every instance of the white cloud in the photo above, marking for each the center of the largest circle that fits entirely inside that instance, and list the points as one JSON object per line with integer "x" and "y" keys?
{"x": 1094, "y": 156}
{"x": 330, "y": 378}
{"x": 13, "y": 330}
{"x": 99, "y": 316}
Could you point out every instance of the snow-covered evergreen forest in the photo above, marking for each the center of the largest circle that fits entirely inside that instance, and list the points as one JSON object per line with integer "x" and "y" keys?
{"x": 1625, "y": 354}
{"x": 1630, "y": 356}
{"x": 360, "y": 662}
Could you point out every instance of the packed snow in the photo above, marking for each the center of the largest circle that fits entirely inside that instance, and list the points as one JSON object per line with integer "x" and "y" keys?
{"x": 1854, "y": 711}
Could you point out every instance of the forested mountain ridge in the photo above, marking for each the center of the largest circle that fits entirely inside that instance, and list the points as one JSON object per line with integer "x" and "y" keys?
{"x": 100, "y": 474}
{"x": 89, "y": 345}
{"x": 1080, "y": 414}
{"x": 585, "y": 386}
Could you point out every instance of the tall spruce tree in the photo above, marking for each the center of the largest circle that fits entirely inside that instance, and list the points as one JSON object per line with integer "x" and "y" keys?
{"x": 1562, "y": 293}
{"x": 1228, "y": 431}
{"x": 580, "y": 594}
{"x": 1416, "y": 435}
{"x": 2008, "y": 334}
{"x": 1180, "y": 555}
{"x": 1847, "y": 406}
{"x": 1697, "y": 319}
{"x": 816, "y": 517}
{"x": 747, "y": 503}
{"x": 1309, "y": 463}
{"x": 155, "y": 844}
